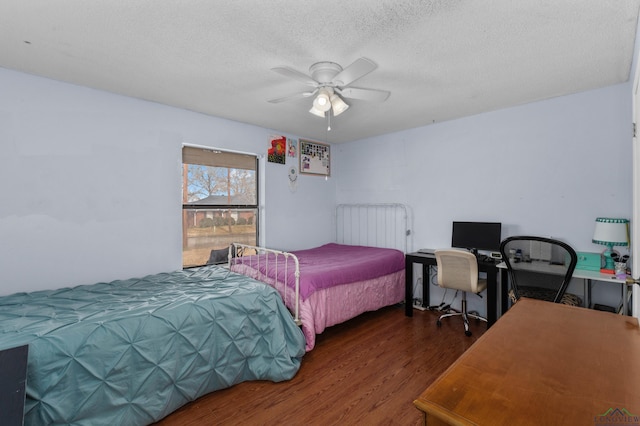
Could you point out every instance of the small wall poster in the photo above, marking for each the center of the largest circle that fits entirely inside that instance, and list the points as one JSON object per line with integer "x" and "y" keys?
{"x": 292, "y": 147}
{"x": 314, "y": 158}
{"x": 277, "y": 150}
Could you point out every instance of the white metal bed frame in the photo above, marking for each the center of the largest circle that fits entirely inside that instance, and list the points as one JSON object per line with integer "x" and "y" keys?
{"x": 238, "y": 250}
{"x": 377, "y": 225}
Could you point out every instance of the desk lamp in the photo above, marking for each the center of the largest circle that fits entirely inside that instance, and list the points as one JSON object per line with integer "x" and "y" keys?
{"x": 611, "y": 232}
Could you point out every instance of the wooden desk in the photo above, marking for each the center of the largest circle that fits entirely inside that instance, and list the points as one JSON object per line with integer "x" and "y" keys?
{"x": 428, "y": 260}
{"x": 542, "y": 363}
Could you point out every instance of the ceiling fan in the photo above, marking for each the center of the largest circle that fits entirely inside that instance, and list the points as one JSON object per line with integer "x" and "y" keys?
{"x": 332, "y": 83}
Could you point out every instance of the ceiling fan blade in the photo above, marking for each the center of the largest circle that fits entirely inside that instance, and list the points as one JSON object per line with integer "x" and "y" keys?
{"x": 293, "y": 97}
{"x": 358, "y": 69}
{"x": 372, "y": 95}
{"x": 296, "y": 75}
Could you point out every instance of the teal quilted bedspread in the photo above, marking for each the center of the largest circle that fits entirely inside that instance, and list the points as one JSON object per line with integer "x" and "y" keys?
{"x": 131, "y": 352}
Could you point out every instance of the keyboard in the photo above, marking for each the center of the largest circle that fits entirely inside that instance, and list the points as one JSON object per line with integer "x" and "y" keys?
{"x": 482, "y": 258}
{"x": 427, "y": 251}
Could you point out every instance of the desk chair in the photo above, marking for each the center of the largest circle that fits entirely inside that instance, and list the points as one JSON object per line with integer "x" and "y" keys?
{"x": 458, "y": 269}
{"x": 540, "y": 268}
{"x": 219, "y": 256}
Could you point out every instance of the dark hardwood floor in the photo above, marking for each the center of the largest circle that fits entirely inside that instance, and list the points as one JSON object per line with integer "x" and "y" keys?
{"x": 366, "y": 371}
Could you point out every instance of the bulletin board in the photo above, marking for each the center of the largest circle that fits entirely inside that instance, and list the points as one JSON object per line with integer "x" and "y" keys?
{"x": 315, "y": 158}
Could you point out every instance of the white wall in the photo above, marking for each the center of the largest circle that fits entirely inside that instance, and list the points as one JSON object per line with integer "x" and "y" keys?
{"x": 90, "y": 181}
{"x": 545, "y": 168}
{"x": 91, "y": 185}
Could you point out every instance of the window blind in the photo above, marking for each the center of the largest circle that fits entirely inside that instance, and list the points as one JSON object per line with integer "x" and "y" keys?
{"x": 216, "y": 158}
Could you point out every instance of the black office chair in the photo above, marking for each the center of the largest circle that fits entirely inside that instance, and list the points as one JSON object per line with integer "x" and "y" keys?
{"x": 219, "y": 256}
{"x": 540, "y": 268}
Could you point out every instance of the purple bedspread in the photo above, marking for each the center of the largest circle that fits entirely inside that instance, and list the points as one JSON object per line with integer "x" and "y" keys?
{"x": 334, "y": 264}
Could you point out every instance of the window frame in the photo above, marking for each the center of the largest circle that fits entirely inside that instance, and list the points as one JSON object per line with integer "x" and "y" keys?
{"x": 218, "y": 207}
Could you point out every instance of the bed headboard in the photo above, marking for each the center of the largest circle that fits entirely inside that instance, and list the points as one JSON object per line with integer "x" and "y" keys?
{"x": 377, "y": 225}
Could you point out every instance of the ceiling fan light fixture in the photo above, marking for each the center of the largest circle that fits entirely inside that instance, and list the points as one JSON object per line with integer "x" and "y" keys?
{"x": 322, "y": 102}
{"x": 316, "y": 111}
{"x": 332, "y": 85}
{"x": 339, "y": 106}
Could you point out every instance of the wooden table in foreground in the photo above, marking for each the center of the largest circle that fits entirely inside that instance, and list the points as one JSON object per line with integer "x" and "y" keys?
{"x": 543, "y": 363}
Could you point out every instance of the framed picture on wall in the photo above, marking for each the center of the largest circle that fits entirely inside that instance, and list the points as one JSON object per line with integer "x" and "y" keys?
{"x": 277, "y": 150}
{"x": 314, "y": 158}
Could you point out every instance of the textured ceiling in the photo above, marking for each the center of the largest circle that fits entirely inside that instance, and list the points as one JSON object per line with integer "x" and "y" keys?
{"x": 440, "y": 59}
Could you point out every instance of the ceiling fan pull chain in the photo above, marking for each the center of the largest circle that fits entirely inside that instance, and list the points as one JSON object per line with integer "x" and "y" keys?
{"x": 329, "y": 120}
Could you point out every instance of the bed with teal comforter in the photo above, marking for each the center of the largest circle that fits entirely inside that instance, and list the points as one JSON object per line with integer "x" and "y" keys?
{"x": 130, "y": 352}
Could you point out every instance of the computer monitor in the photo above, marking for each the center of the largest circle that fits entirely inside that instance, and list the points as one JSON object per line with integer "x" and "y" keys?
{"x": 476, "y": 236}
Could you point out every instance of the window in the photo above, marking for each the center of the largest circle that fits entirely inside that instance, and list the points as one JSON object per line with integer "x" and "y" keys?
{"x": 219, "y": 203}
